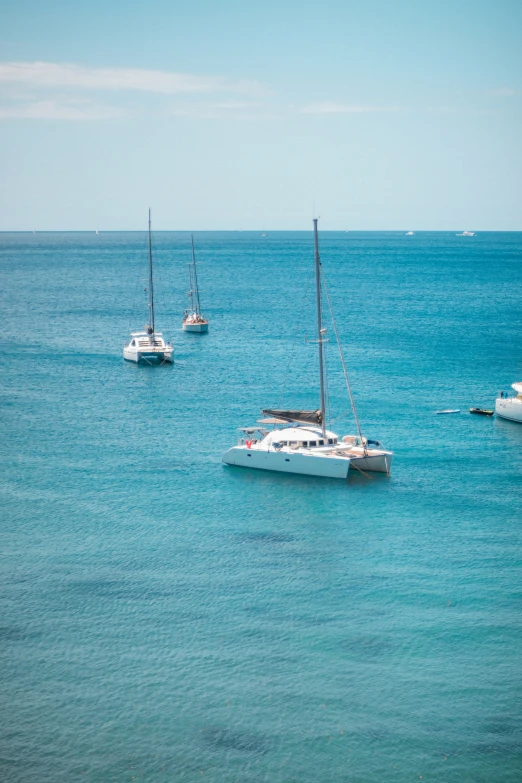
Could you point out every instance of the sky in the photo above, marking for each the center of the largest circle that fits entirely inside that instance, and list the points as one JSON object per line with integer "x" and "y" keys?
{"x": 376, "y": 115}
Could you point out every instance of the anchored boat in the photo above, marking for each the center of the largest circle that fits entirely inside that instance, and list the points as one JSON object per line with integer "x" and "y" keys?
{"x": 510, "y": 407}
{"x": 193, "y": 321}
{"x": 148, "y": 346}
{"x": 301, "y": 443}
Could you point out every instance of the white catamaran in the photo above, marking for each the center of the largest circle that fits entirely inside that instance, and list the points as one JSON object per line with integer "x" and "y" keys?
{"x": 302, "y": 444}
{"x": 193, "y": 321}
{"x": 148, "y": 346}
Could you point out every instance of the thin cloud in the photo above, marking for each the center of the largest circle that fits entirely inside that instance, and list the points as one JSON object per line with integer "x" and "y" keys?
{"x": 330, "y": 107}
{"x": 46, "y": 75}
{"x": 229, "y": 110}
{"x": 53, "y": 110}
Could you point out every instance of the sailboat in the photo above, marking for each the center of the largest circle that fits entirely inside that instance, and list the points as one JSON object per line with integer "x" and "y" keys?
{"x": 193, "y": 321}
{"x": 148, "y": 346}
{"x": 300, "y": 443}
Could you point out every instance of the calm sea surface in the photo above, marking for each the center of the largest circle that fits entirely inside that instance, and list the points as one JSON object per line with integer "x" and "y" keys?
{"x": 166, "y": 618}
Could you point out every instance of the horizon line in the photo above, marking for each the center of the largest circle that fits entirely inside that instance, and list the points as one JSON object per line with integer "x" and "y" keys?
{"x": 261, "y": 231}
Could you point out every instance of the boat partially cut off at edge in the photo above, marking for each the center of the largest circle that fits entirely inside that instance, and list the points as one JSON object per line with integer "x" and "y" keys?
{"x": 510, "y": 407}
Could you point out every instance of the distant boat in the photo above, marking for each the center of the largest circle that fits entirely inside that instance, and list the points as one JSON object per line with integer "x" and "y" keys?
{"x": 148, "y": 346}
{"x": 466, "y": 234}
{"x": 510, "y": 407}
{"x": 193, "y": 321}
{"x": 482, "y": 411}
{"x": 264, "y": 235}
{"x": 456, "y": 410}
{"x": 410, "y": 233}
{"x": 303, "y": 445}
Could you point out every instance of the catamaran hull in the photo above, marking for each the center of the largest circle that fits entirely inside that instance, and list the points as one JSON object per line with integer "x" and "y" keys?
{"x": 508, "y": 409}
{"x": 378, "y": 463}
{"x": 146, "y": 357}
{"x": 284, "y": 462}
{"x": 195, "y": 328}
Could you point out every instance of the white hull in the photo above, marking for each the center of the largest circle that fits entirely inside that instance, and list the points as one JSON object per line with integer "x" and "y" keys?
{"x": 147, "y": 356}
{"x": 288, "y": 462}
{"x": 510, "y": 408}
{"x": 376, "y": 463}
{"x": 188, "y": 327}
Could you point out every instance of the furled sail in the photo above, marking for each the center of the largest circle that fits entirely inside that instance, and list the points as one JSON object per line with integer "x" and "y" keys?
{"x": 307, "y": 417}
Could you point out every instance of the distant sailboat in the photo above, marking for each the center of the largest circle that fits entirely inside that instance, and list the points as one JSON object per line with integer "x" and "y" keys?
{"x": 148, "y": 346}
{"x": 193, "y": 321}
{"x": 466, "y": 234}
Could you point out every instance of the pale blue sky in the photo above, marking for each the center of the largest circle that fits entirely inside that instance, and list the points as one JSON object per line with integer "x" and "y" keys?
{"x": 384, "y": 115}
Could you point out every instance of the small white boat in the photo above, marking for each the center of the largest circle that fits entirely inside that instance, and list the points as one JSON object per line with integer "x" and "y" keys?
{"x": 193, "y": 321}
{"x": 148, "y": 346}
{"x": 410, "y": 233}
{"x": 466, "y": 234}
{"x": 302, "y": 444}
{"x": 510, "y": 407}
{"x": 450, "y": 410}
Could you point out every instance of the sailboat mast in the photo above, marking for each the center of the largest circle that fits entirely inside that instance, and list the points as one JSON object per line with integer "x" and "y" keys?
{"x": 151, "y": 283}
{"x": 319, "y": 325}
{"x": 196, "y": 291}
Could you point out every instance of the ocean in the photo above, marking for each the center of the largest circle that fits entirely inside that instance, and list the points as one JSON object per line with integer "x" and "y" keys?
{"x": 166, "y": 618}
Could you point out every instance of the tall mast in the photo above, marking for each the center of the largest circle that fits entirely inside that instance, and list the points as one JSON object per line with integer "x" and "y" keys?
{"x": 196, "y": 292}
{"x": 151, "y": 283}
{"x": 319, "y": 325}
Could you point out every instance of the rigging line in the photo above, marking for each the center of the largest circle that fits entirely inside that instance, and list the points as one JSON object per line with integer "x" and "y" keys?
{"x": 341, "y": 415}
{"x": 352, "y": 401}
{"x": 327, "y": 387}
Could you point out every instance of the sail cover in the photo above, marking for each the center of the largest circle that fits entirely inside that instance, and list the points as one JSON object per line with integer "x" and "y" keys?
{"x": 307, "y": 417}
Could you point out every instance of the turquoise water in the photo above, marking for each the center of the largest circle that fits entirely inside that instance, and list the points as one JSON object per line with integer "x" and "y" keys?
{"x": 167, "y": 618}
